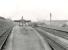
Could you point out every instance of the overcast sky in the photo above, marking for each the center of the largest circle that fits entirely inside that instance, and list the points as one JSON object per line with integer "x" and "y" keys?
{"x": 34, "y": 9}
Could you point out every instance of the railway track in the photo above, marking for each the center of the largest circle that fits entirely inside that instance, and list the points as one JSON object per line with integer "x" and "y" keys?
{"x": 53, "y": 44}
{"x": 42, "y": 31}
{"x": 56, "y": 32}
{"x": 4, "y": 37}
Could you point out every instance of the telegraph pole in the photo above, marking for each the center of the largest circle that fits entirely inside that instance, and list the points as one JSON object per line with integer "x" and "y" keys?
{"x": 22, "y": 21}
{"x": 22, "y": 17}
{"x": 50, "y": 18}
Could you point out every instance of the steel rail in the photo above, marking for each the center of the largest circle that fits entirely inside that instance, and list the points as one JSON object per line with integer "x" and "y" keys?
{"x": 54, "y": 45}
{"x": 4, "y": 37}
{"x": 56, "y": 32}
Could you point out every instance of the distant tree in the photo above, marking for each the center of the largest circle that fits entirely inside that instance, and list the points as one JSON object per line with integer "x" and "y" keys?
{"x": 64, "y": 25}
{"x": 34, "y": 24}
{"x": 2, "y": 17}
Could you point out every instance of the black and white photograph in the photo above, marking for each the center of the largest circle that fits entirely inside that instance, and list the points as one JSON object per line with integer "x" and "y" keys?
{"x": 33, "y": 24}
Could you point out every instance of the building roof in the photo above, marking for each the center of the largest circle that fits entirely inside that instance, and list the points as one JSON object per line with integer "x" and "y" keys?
{"x": 22, "y": 20}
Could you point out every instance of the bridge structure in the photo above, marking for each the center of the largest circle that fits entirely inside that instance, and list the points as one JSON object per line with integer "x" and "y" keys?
{"x": 23, "y": 21}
